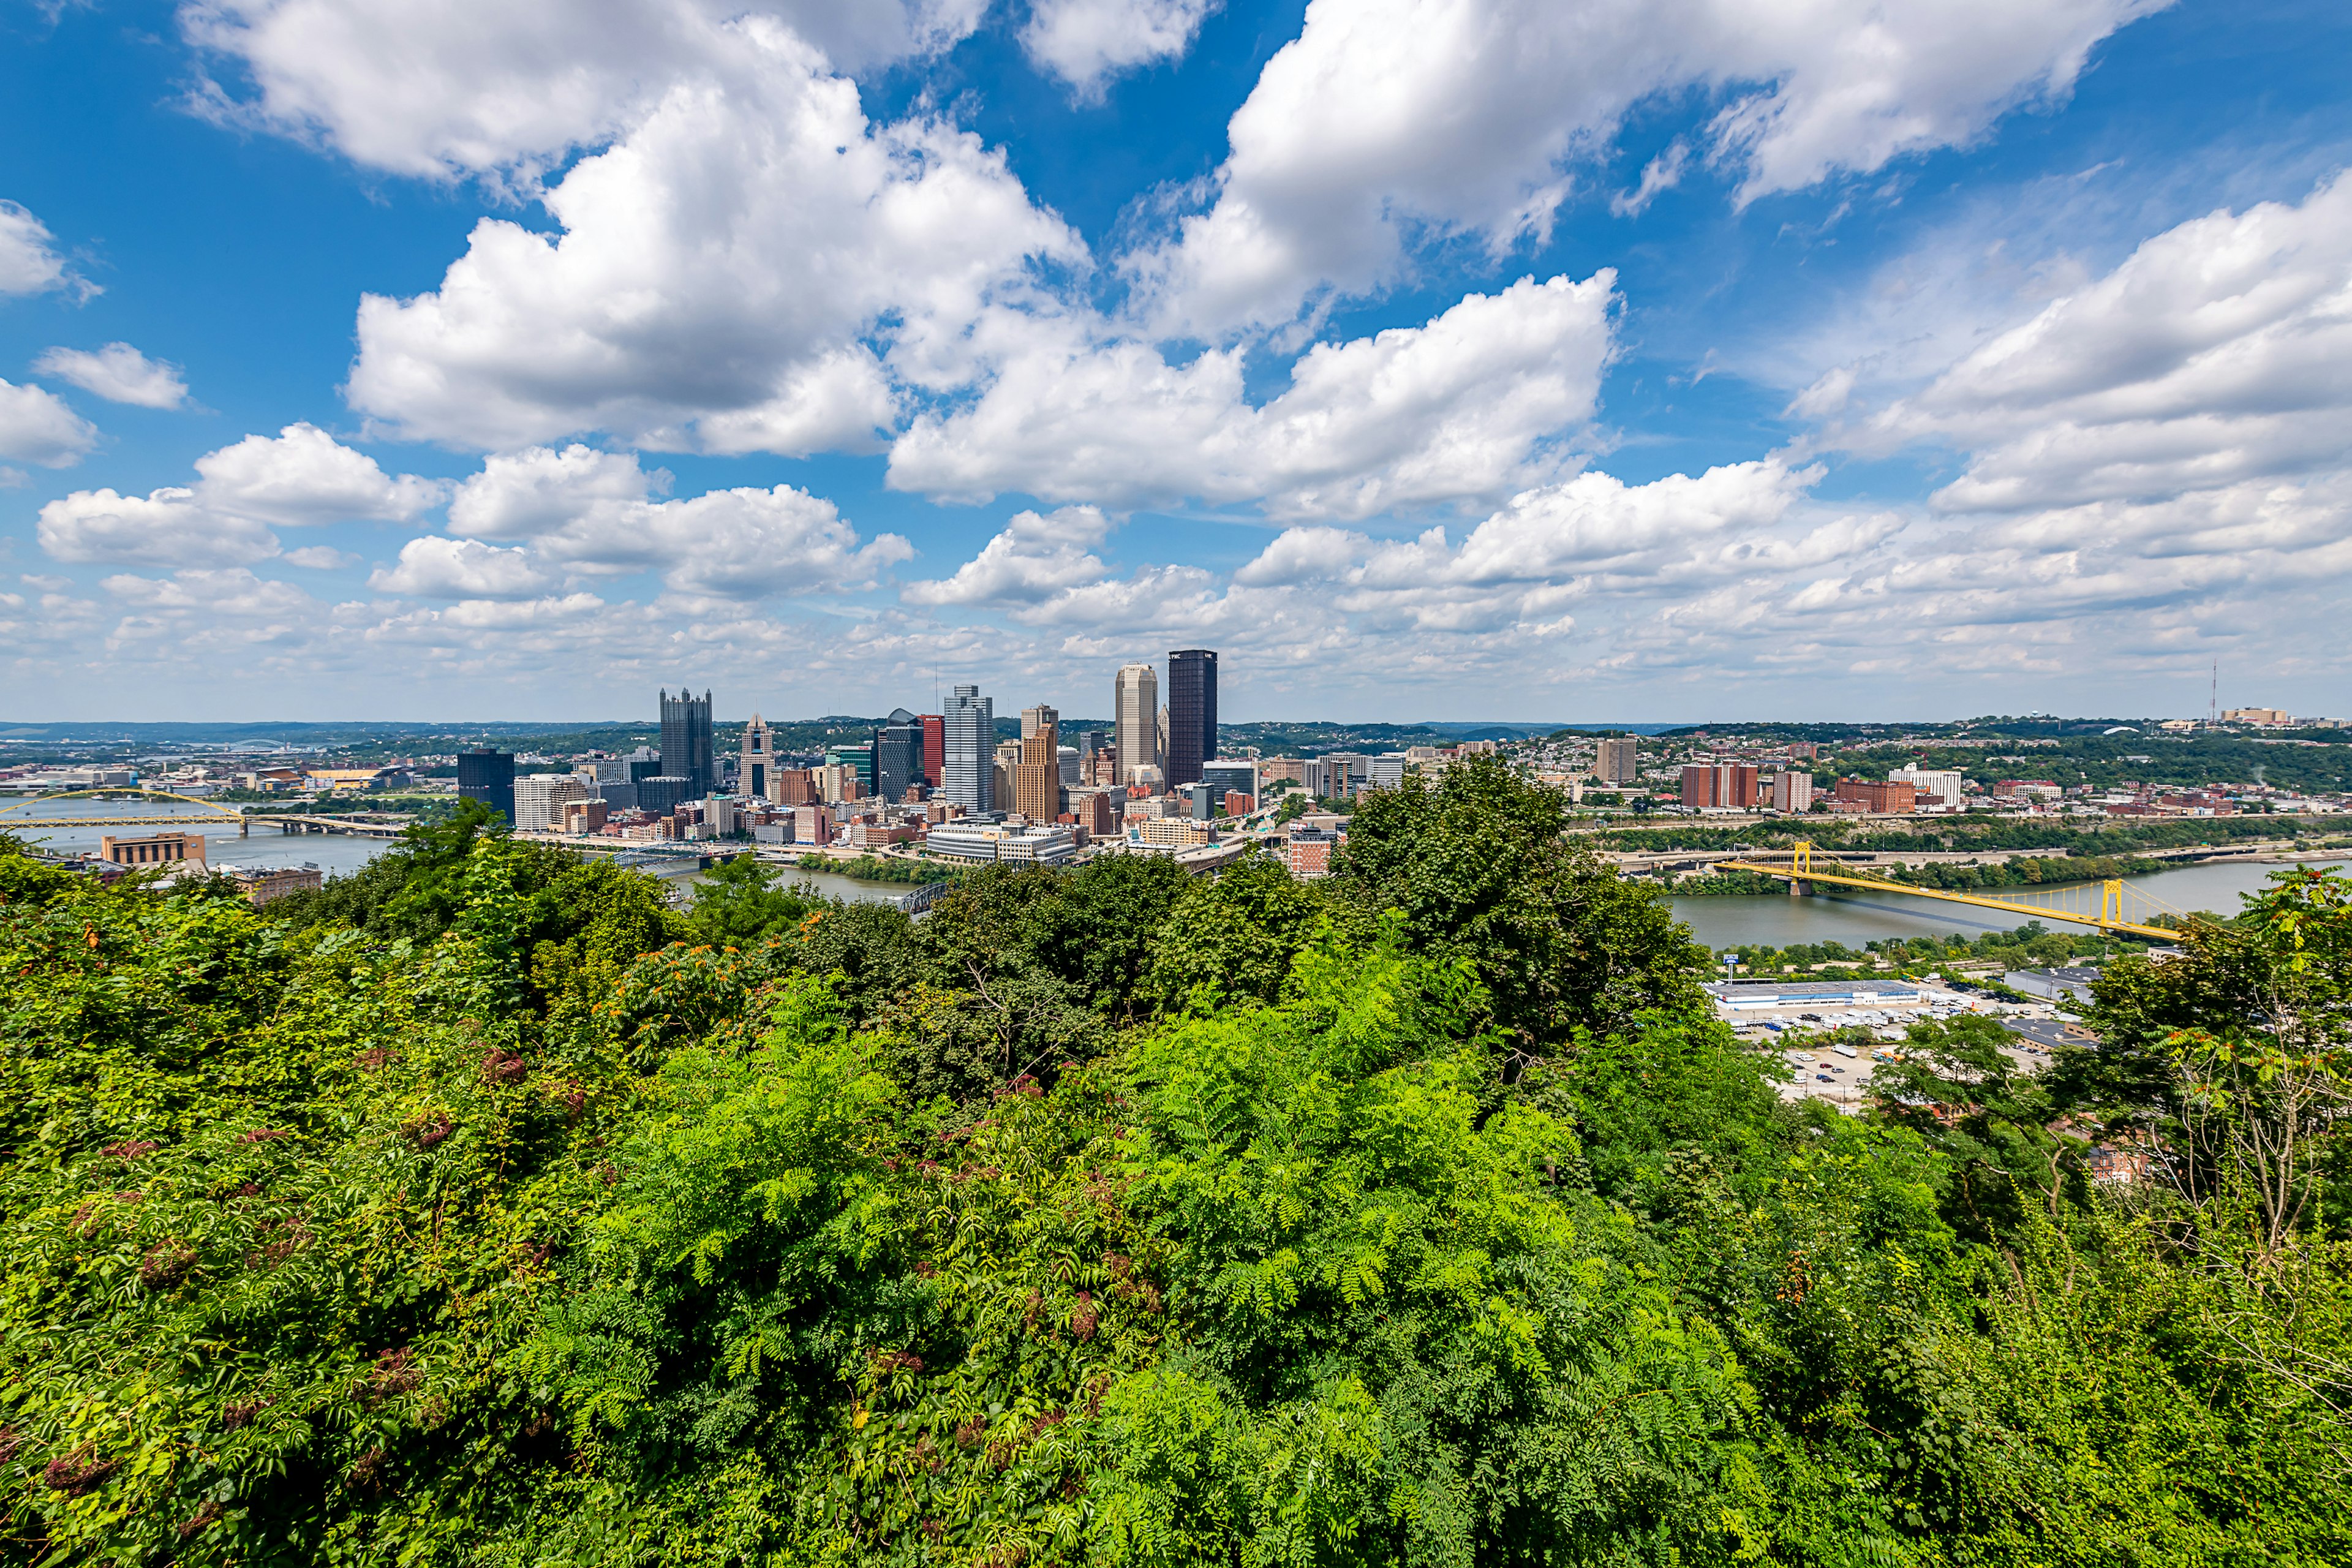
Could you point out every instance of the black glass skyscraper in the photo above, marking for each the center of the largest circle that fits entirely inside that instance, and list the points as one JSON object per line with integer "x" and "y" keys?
{"x": 897, "y": 754}
{"x": 685, "y": 748}
{"x": 489, "y": 777}
{"x": 1191, "y": 713}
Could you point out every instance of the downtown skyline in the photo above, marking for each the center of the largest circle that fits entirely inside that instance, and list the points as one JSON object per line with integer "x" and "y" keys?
{"x": 1566, "y": 376}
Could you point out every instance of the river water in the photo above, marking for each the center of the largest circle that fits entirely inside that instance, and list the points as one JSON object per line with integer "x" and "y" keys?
{"x": 1855, "y": 917}
{"x": 48, "y": 822}
{"x": 1851, "y": 917}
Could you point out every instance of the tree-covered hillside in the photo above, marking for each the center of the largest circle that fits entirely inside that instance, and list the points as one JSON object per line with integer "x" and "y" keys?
{"x": 484, "y": 1210}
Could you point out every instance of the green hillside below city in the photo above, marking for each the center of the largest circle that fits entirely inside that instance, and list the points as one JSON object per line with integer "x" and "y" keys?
{"x": 485, "y": 1207}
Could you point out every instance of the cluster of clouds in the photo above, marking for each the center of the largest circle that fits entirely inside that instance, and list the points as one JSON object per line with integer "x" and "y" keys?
{"x": 741, "y": 259}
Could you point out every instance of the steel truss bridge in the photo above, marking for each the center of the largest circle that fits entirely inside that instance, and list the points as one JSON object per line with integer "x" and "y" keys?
{"x": 208, "y": 810}
{"x": 2109, "y": 905}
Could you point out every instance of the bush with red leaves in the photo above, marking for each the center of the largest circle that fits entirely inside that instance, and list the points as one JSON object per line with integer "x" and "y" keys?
{"x": 367, "y": 1471}
{"x": 166, "y": 1264}
{"x": 198, "y": 1520}
{"x": 430, "y": 1130}
{"x": 502, "y": 1066}
{"x": 395, "y": 1372}
{"x": 77, "y": 1472}
{"x": 262, "y": 1135}
{"x": 236, "y": 1412}
{"x": 129, "y": 1149}
{"x": 1083, "y": 1317}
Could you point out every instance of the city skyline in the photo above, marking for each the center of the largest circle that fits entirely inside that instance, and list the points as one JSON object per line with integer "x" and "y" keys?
{"x": 1552, "y": 378}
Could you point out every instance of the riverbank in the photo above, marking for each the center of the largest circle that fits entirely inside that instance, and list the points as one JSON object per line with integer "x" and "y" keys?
{"x": 875, "y": 868}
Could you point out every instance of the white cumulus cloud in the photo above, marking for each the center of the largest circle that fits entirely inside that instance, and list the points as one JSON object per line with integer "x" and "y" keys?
{"x": 2218, "y": 351}
{"x": 302, "y": 475}
{"x": 1034, "y": 555}
{"x": 730, "y": 276}
{"x": 117, "y": 373}
{"x": 1087, "y": 42}
{"x": 29, "y": 262}
{"x": 439, "y": 88}
{"x": 591, "y": 513}
{"x": 168, "y": 527}
{"x": 434, "y": 567}
{"x": 36, "y": 427}
{"x": 1387, "y": 117}
{"x": 1459, "y": 408}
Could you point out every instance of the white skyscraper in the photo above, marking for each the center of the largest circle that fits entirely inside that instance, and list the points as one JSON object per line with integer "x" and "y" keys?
{"x": 967, "y": 777}
{"x": 1134, "y": 709}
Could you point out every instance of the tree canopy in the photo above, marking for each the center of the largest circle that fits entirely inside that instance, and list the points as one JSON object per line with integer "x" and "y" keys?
{"x": 487, "y": 1210}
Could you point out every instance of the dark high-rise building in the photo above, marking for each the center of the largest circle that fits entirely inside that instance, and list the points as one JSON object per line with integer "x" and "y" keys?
{"x": 489, "y": 777}
{"x": 1191, "y": 713}
{"x": 898, "y": 755}
{"x": 663, "y": 794}
{"x": 685, "y": 748}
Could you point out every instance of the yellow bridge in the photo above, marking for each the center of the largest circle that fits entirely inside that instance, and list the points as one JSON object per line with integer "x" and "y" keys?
{"x": 2115, "y": 905}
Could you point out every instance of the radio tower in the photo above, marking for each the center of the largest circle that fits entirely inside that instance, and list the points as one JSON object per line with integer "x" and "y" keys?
{"x": 2213, "y": 700}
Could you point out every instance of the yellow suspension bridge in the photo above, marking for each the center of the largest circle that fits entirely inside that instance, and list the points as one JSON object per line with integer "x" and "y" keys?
{"x": 2108, "y": 905}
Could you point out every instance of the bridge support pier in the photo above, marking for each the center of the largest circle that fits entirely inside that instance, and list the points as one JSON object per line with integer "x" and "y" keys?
{"x": 1799, "y": 890}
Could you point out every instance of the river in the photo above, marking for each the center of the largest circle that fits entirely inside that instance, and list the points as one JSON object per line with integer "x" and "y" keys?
{"x": 1854, "y": 916}
{"x": 333, "y": 853}
{"x": 1775, "y": 920}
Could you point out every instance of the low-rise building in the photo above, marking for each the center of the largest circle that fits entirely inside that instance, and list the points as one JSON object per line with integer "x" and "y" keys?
{"x": 988, "y": 842}
{"x": 2066, "y": 985}
{"x": 155, "y": 849}
{"x": 267, "y": 884}
{"x": 1309, "y": 852}
{"x": 1894, "y": 797}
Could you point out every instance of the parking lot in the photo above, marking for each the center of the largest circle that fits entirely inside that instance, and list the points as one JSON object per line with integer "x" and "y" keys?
{"x": 1841, "y": 1074}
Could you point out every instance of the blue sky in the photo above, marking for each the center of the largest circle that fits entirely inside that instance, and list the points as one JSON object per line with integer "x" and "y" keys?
{"x": 1433, "y": 359}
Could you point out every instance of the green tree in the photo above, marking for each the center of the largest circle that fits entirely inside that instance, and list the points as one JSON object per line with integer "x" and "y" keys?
{"x": 737, "y": 902}
{"x": 1477, "y": 865}
{"x": 1233, "y": 936}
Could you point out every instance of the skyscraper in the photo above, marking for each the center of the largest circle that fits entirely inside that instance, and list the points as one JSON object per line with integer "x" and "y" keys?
{"x": 934, "y": 748}
{"x": 1617, "y": 763}
{"x": 967, "y": 771}
{"x": 1191, "y": 713}
{"x": 686, "y": 751}
{"x": 1037, "y": 776}
{"x": 1134, "y": 709}
{"x": 757, "y": 772}
{"x": 489, "y": 777}
{"x": 898, "y": 755}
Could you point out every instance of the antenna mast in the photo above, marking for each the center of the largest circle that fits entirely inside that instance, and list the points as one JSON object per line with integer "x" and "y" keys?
{"x": 2213, "y": 700}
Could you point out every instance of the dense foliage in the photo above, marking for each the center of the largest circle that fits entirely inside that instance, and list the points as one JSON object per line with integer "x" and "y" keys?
{"x": 486, "y": 1210}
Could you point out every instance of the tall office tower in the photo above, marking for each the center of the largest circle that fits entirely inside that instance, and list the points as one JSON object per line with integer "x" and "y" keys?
{"x": 934, "y": 748}
{"x": 1134, "y": 709}
{"x": 969, "y": 729}
{"x": 685, "y": 751}
{"x": 1037, "y": 776}
{"x": 757, "y": 773}
{"x": 1792, "y": 790}
{"x": 489, "y": 777}
{"x": 1191, "y": 713}
{"x": 898, "y": 755}
{"x": 662, "y": 795}
{"x": 1617, "y": 764}
{"x": 539, "y": 799}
